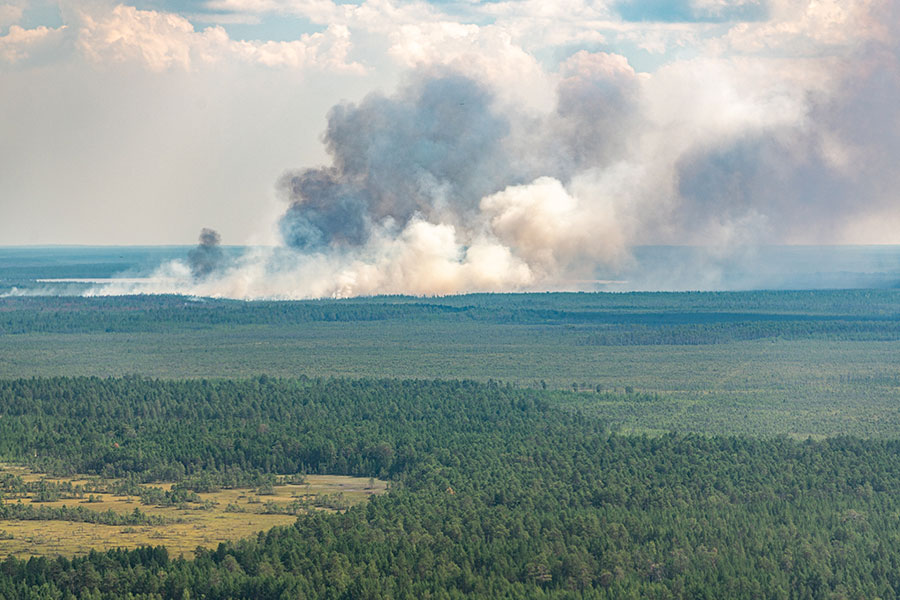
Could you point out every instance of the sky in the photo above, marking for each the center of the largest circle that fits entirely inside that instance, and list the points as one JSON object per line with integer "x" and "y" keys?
{"x": 537, "y": 138}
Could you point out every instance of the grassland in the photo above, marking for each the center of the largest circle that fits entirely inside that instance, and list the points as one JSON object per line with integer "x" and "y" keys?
{"x": 523, "y": 354}
{"x": 204, "y": 524}
{"x": 772, "y": 386}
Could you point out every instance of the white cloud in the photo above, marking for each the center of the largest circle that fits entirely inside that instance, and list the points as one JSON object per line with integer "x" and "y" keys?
{"x": 21, "y": 44}
{"x": 160, "y": 40}
{"x": 814, "y": 28}
{"x": 327, "y": 50}
{"x": 165, "y": 40}
{"x": 9, "y": 14}
{"x": 487, "y": 54}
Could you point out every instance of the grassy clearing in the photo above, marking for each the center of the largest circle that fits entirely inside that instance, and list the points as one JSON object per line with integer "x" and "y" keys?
{"x": 205, "y": 524}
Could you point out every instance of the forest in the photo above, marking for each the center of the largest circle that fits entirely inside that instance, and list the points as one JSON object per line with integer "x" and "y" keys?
{"x": 702, "y": 476}
{"x": 497, "y": 492}
{"x": 662, "y": 318}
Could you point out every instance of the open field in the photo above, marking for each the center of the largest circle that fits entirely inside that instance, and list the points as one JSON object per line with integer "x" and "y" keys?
{"x": 770, "y": 386}
{"x": 204, "y": 524}
{"x": 524, "y": 354}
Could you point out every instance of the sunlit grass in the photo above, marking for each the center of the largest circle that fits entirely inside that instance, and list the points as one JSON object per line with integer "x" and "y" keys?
{"x": 187, "y": 528}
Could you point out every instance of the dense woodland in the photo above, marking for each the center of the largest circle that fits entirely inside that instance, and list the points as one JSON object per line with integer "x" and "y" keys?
{"x": 768, "y": 466}
{"x": 496, "y": 491}
{"x": 601, "y": 319}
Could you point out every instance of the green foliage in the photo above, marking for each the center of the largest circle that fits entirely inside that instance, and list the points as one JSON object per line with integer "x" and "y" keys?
{"x": 30, "y": 512}
{"x": 497, "y": 492}
{"x": 766, "y": 363}
{"x": 623, "y": 319}
{"x": 210, "y": 434}
{"x": 540, "y": 490}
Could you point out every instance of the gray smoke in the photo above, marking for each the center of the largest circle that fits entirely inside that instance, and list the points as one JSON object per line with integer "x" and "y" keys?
{"x": 775, "y": 189}
{"x": 207, "y": 256}
{"x": 805, "y": 182}
{"x": 596, "y": 115}
{"x": 441, "y": 189}
{"x": 433, "y": 150}
{"x": 444, "y": 187}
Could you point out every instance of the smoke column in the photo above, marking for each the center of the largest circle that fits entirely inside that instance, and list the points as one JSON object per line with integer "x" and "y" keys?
{"x": 432, "y": 153}
{"x": 427, "y": 193}
{"x": 207, "y": 256}
{"x": 444, "y": 187}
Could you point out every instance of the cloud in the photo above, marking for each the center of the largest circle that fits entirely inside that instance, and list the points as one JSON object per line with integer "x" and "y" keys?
{"x": 326, "y": 50}
{"x": 162, "y": 41}
{"x": 815, "y": 29}
{"x": 21, "y": 44}
{"x": 9, "y": 14}
{"x": 159, "y": 40}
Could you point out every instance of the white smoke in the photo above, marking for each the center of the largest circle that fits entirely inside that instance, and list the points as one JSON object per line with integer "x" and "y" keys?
{"x": 524, "y": 237}
{"x": 554, "y": 233}
{"x": 448, "y": 187}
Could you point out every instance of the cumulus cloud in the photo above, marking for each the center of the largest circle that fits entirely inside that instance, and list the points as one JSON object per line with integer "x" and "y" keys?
{"x": 166, "y": 40}
{"x": 327, "y": 50}
{"x": 821, "y": 28}
{"x": 21, "y": 44}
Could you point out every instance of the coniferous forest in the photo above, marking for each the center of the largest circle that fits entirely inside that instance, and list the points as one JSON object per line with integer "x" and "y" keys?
{"x": 497, "y": 489}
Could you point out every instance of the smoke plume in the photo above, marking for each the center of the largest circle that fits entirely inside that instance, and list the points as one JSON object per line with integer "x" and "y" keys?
{"x": 433, "y": 151}
{"x": 447, "y": 187}
{"x": 207, "y": 256}
{"x": 429, "y": 191}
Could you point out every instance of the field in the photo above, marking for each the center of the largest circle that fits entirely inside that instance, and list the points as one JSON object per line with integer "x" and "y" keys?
{"x": 202, "y": 524}
{"x": 763, "y": 386}
{"x": 770, "y": 363}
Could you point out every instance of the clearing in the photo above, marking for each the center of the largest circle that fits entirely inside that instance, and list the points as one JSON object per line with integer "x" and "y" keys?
{"x": 226, "y": 514}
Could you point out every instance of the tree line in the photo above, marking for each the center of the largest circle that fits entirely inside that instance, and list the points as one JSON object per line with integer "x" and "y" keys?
{"x": 833, "y": 312}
